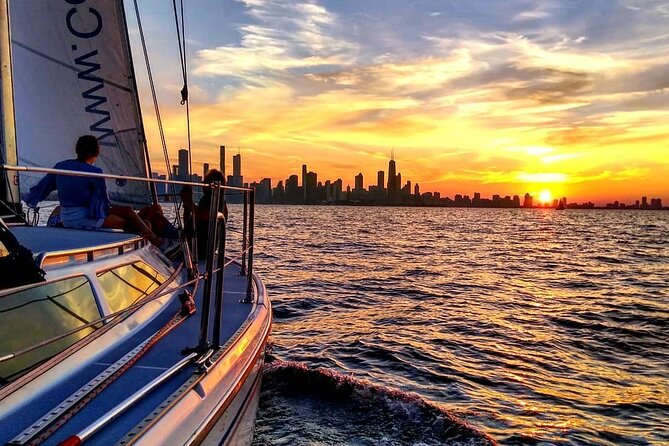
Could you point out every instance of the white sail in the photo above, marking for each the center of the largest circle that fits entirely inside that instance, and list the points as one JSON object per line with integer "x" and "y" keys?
{"x": 73, "y": 75}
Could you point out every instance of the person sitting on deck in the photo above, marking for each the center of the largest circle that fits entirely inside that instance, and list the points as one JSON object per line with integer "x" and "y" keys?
{"x": 201, "y": 210}
{"x": 84, "y": 201}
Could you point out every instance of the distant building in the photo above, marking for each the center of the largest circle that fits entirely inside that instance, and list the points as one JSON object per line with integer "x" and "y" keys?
{"x": 392, "y": 181}
{"x": 264, "y": 191}
{"x": 184, "y": 171}
{"x": 237, "y": 179}
{"x": 476, "y": 201}
{"x": 528, "y": 202}
{"x": 380, "y": 180}
{"x": 221, "y": 160}
{"x": 205, "y": 169}
{"x": 337, "y": 190}
{"x": 292, "y": 189}
{"x": 406, "y": 190}
{"x": 359, "y": 184}
{"x": 279, "y": 193}
{"x": 311, "y": 187}
{"x": 304, "y": 181}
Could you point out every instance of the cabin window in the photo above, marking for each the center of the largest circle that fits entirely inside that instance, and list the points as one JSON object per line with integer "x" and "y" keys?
{"x": 40, "y": 313}
{"x": 128, "y": 284}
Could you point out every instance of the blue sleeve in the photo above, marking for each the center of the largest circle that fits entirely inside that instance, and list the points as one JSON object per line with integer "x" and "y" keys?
{"x": 41, "y": 190}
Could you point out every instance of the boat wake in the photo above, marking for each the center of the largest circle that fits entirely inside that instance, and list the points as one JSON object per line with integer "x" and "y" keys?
{"x": 303, "y": 405}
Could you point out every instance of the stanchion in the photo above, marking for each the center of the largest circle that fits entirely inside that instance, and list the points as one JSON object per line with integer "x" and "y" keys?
{"x": 206, "y": 295}
{"x": 242, "y": 272}
{"x": 220, "y": 264}
{"x": 249, "y": 269}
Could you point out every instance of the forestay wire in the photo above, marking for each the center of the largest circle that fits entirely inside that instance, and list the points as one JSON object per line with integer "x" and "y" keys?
{"x": 157, "y": 109}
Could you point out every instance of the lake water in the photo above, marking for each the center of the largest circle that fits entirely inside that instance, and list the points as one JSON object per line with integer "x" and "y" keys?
{"x": 430, "y": 326}
{"x": 535, "y": 326}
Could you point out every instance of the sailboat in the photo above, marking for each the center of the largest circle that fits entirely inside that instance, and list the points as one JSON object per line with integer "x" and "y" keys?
{"x": 103, "y": 339}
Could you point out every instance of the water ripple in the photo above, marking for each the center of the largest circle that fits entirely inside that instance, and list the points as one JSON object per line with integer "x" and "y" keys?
{"x": 539, "y": 327}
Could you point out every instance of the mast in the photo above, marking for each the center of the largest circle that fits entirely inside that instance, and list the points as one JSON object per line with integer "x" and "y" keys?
{"x": 9, "y": 182}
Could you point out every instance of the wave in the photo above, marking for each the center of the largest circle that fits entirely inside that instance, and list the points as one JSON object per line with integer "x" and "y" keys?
{"x": 333, "y": 408}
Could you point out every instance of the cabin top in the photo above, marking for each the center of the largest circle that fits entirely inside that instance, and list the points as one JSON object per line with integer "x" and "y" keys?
{"x": 43, "y": 240}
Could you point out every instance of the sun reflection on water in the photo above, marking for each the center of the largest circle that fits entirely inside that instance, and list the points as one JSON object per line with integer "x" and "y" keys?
{"x": 532, "y": 324}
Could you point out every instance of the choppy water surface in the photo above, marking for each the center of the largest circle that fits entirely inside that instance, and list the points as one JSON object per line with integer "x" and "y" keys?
{"x": 536, "y": 326}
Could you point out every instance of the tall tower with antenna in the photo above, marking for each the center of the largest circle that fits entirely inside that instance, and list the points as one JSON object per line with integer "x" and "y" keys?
{"x": 392, "y": 177}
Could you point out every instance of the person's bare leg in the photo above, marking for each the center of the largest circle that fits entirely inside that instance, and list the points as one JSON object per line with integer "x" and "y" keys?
{"x": 115, "y": 222}
{"x": 123, "y": 215}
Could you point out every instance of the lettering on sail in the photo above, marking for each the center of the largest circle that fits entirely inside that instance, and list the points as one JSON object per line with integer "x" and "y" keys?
{"x": 86, "y": 23}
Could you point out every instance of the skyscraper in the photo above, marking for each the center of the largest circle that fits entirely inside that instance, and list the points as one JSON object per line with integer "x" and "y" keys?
{"x": 528, "y": 202}
{"x": 359, "y": 184}
{"x": 392, "y": 180}
{"x": 221, "y": 161}
{"x": 292, "y": 188}
{"x": 237, "y": 178}
{"x": 310, "y": 186}
{"x": 380, "y": 180}
{"x": 304, "y": 182}
{"x": 184, "y": 172}
{"x": 205, "y": 169}
{"x": 237, "y": 165}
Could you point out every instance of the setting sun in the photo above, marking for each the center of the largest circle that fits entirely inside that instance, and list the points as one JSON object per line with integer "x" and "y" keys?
{"x": 545, "y": 196}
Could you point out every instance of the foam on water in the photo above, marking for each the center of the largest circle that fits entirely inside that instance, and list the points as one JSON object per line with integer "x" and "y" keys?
{"x": 303, "y": 405}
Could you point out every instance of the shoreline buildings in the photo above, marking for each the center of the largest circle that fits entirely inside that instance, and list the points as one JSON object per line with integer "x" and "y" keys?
{"x": 387, "y": 191}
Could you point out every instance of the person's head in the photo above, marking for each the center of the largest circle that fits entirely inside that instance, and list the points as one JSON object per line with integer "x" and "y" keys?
{"x": 87, "y": 148}
{"x": 213, "y": 176}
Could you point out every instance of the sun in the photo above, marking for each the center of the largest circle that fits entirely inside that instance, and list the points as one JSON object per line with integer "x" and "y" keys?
{"x": 545, "y": 196}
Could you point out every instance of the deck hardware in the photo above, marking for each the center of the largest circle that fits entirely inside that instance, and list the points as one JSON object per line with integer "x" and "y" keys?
{"x": 187, "y": 304}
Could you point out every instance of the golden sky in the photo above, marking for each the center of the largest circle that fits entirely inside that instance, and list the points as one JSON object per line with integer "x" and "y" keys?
{"x": 500, "y": 97}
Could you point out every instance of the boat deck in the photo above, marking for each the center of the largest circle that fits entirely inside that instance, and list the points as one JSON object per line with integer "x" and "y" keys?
{"x": 160, "y": 357}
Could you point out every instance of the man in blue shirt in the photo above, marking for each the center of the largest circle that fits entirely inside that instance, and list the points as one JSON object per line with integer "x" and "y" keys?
{"x": 84, "y": 203}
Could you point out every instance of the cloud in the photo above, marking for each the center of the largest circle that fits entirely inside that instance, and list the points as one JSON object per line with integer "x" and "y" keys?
{"x": 281, "y": 36}
{"x": 453, "y": 85}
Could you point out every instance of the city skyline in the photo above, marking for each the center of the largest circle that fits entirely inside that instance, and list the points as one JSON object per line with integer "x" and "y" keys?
{"x": 389, "y": 189}
{"x": 495, "y": 96}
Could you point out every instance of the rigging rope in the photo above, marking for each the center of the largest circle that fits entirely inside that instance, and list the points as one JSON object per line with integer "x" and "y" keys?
{"x": 181, "y": 38}
{"x": 157, "y": 109}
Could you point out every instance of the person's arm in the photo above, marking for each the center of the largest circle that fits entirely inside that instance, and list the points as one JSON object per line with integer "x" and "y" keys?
{"x": 41, "y": 190}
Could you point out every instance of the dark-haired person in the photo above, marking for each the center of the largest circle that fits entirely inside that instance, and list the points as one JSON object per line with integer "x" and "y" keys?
{"x": 201, "y": 210}
{"x": 84, "y": 203}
